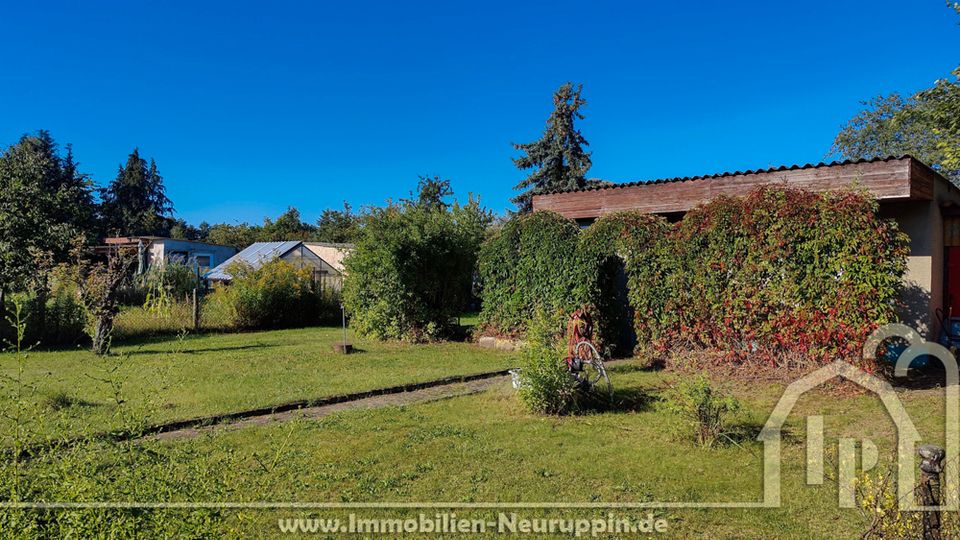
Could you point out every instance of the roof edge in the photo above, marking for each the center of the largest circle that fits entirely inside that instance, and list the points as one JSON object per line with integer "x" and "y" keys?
{"x": 781, "y": 168}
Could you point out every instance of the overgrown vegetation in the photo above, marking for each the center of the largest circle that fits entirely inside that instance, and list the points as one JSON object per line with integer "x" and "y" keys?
{"x": 775, "y": 275}
{"x": 530, "y": 267}
{"x": 778, "y": 276}
{"x": 411, "y": 271}
{"x": 703, "y": 409}
{"x": 543, "y": 263}
{"x": 275, "y": 295}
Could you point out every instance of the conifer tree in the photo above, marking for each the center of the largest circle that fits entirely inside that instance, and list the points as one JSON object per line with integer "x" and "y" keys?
{"x": 135, "y": 202}
{"x": 558, "y": 158}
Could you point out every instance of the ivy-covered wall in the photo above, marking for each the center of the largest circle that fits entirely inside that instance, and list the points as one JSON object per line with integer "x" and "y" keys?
{"x": 542, "y": 263}
{"x": 777, "y": 274}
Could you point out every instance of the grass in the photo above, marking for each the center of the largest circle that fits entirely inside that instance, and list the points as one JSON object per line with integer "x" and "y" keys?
{"x": 208, "y": 374}
{"x": 477, "y": 448}
{"x": 486, "y": 448}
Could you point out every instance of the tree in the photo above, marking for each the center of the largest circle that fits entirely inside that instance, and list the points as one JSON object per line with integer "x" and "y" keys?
{"x": 431, "y": 193}
{"x": 558, "y": 158}
{"x": 288, "y": 226}
{"x": 338, "y": 226}
{"x": 926, "y": 125}
{"x": 411, "y": 272}
{"x": 135, "y": 203}
{"x": 238, "y": 236}
{"x": 44, "y": 204}
{"x": 98, "y": 286}
{"x": 181, "y": 230}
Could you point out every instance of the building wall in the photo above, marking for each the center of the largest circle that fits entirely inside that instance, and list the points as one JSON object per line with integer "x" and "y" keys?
{"x": 161, "y": 250}
{"x": 923, "y": 280}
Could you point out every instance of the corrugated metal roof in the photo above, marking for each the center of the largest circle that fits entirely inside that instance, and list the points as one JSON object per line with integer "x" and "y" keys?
{"x": 255, "y": 255}
{"x": 610, "y": 185}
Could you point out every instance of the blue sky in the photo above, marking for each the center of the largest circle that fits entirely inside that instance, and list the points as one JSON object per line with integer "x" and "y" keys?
{"x": 249, "y": 107}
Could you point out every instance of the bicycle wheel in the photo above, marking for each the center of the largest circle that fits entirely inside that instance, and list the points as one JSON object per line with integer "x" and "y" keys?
{"x": 593, "y": 376}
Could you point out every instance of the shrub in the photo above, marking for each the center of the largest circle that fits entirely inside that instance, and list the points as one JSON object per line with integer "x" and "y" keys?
{"x": 701, "y": 407}
{"x": 275, "y": 295}
{"x": 59, "y": 321}
{"x": 411, "y": 271}
{"x": 546, "y": 386}
{"x": 777, "y": 273}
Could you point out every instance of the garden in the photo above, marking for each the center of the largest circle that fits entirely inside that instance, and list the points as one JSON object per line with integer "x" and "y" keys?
{"x": 700, "y": 325}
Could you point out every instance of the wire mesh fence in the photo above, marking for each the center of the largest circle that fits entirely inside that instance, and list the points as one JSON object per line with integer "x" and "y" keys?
{"x": 205, "y": 308}
{"x": 155, "y": 308}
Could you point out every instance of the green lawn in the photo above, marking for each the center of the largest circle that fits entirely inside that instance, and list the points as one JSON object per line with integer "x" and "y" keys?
{"x": 73, "y": 391}
{"x": 485, "y": 448}
{"x": 477, "y": 448}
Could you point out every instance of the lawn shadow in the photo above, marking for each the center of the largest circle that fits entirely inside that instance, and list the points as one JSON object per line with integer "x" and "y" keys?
{"x": 200, "y": 350}
{"x": 622, "y": 400}
{"x": 747, "y": 431}
{"x": 61, "y": 400}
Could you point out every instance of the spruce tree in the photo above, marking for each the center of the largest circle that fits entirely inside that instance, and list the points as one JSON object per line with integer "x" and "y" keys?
{"x": 558, "y": 158}
{"x": 135, "y": 203}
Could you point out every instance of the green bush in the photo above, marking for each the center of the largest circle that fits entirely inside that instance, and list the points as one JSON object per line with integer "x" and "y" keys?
{"x": 411, "y": 271}
{"x": 777, "y": 274}
{"x": 703, "y": 409}
{"x": 275, "y": 295}
{"x": 546, "y": 386}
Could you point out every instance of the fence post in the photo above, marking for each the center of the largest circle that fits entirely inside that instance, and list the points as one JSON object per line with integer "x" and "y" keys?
{"x": 196, "y": 310}
{"x": 931, "y": 465}
{"x": 196, "y": 298}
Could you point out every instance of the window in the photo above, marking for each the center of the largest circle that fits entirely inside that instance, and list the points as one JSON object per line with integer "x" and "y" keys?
{"x": 204, "y": 261}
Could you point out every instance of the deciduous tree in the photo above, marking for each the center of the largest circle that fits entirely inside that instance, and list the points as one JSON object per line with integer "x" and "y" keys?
{"x": 44, "y": 204}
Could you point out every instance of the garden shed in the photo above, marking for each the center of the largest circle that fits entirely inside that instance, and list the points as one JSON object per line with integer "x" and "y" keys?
{"x": 925, "y": 205}
{"x": 157, "y": 251}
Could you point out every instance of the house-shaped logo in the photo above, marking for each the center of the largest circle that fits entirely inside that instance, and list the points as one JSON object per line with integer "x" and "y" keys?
{"x": 907, "y": 435}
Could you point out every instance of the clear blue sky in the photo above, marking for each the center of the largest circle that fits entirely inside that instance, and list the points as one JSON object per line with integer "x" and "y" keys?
{"x": 249, "y": 107}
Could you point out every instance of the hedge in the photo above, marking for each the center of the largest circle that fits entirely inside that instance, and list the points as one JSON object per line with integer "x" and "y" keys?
{"x": 540, "y": 264}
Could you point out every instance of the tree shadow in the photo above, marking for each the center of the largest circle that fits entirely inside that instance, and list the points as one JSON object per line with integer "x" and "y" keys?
{"x": 746, "y": 432}
{"x": 61, "y": 400}
{"x": 632, "y": 367}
